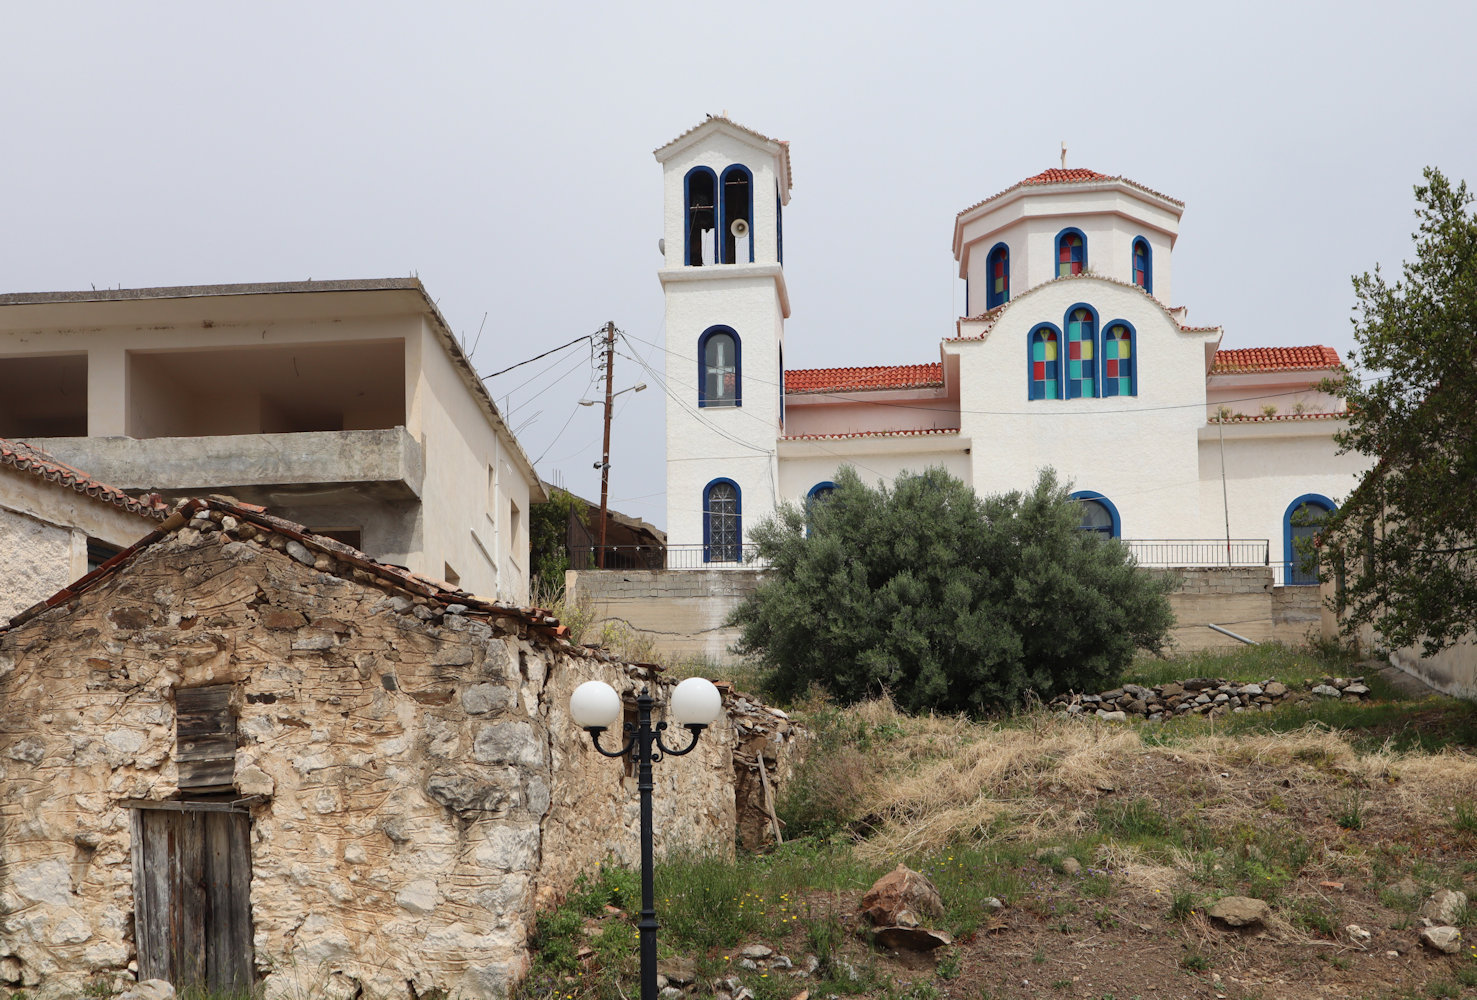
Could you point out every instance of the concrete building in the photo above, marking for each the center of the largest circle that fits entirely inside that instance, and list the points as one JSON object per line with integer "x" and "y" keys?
{"x": 1071, "y": 354}
{"x": 57, "y": 524}
{"x": 346, "y": 405}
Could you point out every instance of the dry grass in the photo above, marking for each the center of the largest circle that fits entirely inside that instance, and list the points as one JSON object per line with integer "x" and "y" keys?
{"x": 937, "y": 781}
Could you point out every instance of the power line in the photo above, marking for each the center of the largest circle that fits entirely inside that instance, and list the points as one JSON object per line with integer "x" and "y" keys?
{"x": 577, "y": 340}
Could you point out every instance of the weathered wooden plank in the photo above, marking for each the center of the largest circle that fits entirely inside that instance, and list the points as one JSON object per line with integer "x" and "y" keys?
{"x": 217, "y": 901}
{"x": 243, "y": 956}
{"x": 189, "y": 805}
{"x": 152, "y": 913}
{"x": 210, "y": 698}
{"x": 145, "y": 930}
{"x": 192, "y": 899}
{"x": 198, "y": 774}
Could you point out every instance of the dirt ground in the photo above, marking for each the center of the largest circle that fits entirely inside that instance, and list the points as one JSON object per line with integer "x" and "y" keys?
{"x": 1107, "y": 933}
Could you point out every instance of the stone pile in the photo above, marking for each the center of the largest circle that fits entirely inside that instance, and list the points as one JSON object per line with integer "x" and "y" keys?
{"x": 764, "y": 739}
{"x": 1212, "y": 696}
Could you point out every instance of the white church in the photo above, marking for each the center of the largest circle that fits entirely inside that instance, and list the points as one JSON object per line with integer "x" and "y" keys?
{"x": 1071, "y": 354}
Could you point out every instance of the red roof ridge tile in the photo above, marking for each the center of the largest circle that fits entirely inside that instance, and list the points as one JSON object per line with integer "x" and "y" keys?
{"x": 26, "y": 458}
{"x": 1256, "y": 418}
{"x": 899, "y": 432}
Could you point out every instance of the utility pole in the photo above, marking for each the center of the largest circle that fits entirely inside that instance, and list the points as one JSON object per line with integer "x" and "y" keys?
{"x": 605, "y": 449}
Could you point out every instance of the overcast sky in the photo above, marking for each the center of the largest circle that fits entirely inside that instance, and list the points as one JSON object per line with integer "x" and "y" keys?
{"x": 503, "y": 154}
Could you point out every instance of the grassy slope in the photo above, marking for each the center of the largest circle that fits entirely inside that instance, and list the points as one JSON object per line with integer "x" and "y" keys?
{"x": 1381, "y": 796}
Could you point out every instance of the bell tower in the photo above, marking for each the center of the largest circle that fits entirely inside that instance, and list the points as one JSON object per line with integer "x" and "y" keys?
{"x": 724, "y": 191}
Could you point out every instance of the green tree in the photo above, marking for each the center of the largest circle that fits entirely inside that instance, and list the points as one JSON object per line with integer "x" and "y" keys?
{"x": 943, "y": 599}
{"x": 548, "y": 539}
{"x": 1412, "y": 521}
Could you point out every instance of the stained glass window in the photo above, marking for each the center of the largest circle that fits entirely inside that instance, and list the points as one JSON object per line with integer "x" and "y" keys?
{"x": 720, "y": 368}
{"x": 721, "y": 522}
{"x": 1118, "y": 361}
{"x": 1070, "y": 253}
{"x": 999, "y": 288}
{"x": 1045, "y": 364}
{"x": 1141, "y": 275}
{"x": 1081, "y": 358}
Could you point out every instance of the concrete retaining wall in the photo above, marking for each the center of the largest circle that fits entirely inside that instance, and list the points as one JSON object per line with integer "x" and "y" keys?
{"x": 683, "y": 610}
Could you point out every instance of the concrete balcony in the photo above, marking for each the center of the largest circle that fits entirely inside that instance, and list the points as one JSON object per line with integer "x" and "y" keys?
{"x": 386, "y": 464}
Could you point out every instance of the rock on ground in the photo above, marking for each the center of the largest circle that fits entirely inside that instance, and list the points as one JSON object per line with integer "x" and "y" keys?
{"x": 901, "y": 892}
{"x": 1239, "y": 911}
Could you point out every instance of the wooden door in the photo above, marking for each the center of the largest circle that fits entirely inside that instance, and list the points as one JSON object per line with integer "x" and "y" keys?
{"x": 191, "y": 884}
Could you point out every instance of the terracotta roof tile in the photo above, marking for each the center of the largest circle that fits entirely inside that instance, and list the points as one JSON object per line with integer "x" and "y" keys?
{"x": 877, "y": 377}
{"x": 1275, "y": 359}
{"x": 1071, "y": 175}
{"x": 38, "y": 463}
{"x": 911, "y": 432}
{"x": 1261, "y": 418}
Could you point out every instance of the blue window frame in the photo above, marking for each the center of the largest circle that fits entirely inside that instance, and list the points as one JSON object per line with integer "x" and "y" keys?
{"x": 1301, "y": 522}
{"x": 1098, "y": 514}
{"x": 719, "y": 368}
{"x": 700, "y": 217}
{"x": 1071, "y": 252}
{"x": 997, "y": 276}
{"x": 1143, "y": 265}
{"x": 821, "y": 490}
{"x": 779, "y": 228}
{"x": 737, "y": 187}
{"x": 722, "y": 522}
{"x": 1043, "y": 362}
{"x": 1119, "y": 347}
{"x": 1080, "y": 352}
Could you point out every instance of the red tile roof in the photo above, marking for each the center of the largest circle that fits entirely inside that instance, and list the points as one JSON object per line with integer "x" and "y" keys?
{"x": 1058, "y": 175}
{"x": 39, "y": 463}
{"x": 910, "y": 432}
{"x": 1275, "y": 359}
{"x": 1257, "y": 418}
{"x": 874, "y": 378}
{"x": 1070, "y": 175}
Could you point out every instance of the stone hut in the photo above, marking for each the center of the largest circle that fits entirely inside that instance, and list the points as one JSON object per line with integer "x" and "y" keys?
{"x": 242, "y": 754}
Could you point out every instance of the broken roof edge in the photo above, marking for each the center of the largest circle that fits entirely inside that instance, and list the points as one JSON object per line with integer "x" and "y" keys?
{"x": 459, "y": 359}
{"x": 383, "y": 574}
{"x": 46, "y": 467}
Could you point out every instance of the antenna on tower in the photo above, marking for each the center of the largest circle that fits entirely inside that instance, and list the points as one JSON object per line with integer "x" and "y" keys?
{"x": 1064, "y": 154}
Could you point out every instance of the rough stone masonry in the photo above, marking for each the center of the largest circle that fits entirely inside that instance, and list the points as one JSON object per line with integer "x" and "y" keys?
{"x": 413, "y": 782}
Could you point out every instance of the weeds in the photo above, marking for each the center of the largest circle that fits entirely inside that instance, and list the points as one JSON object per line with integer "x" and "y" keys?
{"x": 1350, "y": 815}
{"x": 1183, "y": 906}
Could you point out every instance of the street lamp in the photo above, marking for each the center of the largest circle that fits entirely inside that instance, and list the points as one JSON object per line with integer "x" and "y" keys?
{"x": 595, "y": 707}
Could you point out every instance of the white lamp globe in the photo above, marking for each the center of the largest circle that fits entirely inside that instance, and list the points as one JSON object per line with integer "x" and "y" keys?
{"x": 696, "y": 702}
{"x": 595, "y": 705}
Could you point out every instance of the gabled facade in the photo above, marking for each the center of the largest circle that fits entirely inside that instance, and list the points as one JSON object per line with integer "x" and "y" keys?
{"x": 58, "y": 523}
{"x": 346, "y": 405}
{"x": 1071, "y": 356}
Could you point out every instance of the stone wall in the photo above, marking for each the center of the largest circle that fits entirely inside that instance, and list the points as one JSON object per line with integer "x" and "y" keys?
{"x": 683, "y": 611}
{"x": 420, "y": 783}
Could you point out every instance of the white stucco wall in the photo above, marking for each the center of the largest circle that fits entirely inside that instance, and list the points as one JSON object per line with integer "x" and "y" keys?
{"x": 1110, "y": 217}
{"x": 804, "y": 464}
{"x": 1139, "y": 451}
{"x": 1268, "y": 466}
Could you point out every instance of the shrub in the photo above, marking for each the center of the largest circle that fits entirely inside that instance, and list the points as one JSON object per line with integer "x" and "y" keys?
{"x": 943, "y": 599}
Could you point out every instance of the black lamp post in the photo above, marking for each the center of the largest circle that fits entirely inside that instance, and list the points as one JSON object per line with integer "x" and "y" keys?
{"x": 595, "y": 706}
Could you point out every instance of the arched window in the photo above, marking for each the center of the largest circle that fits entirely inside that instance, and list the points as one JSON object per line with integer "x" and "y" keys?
{"x": 1301, "y": 523}
{"x": 1081, "y": 380}
{"x": 998, "y": 291}
{"x": 718, "y": 357}
{"x": 700, "y": 196}
{"x": 1043, "y": 362}
{"x": 821, "y": 490}
{"x": 1071, "y": 252}
{"x": 1143, "y": 274}
{"x": 722, "y": 527}
{"x": 738, "y": 207}
{"x": 779, "y": 228}
{"x": 1118, "y": 377}
{"x": 1098, "y": 514}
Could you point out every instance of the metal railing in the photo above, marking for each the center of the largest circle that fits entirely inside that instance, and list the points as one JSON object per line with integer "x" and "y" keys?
{"x": 1197, "y": 553}
{"x": 665, "y": 557}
